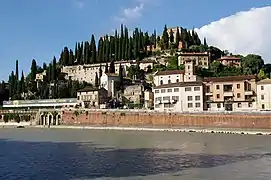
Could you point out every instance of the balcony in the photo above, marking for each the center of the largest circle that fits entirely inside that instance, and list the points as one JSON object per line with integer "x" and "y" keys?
{"x": 166, "y": 101}
{"x": 228, "y": 94}
{"x": 249, "y": 93}
{"x": 209, "y": 93}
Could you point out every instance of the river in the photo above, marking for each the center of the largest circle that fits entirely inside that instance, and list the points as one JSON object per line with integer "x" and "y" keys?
{"x": 57, "y": 154}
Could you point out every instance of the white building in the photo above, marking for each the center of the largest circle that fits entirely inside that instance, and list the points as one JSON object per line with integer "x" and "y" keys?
{"x": 107, "y": 81}
{"x": 175, "y": 76}
{"x": 264, "y": 94}
{"x": 88, "y": 72}
{"x": 179, "y": 97}
{"x": 178, "y": 91}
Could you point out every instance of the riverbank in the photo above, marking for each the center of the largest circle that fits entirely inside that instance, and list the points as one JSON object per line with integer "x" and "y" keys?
{"x": 179, "y": 129}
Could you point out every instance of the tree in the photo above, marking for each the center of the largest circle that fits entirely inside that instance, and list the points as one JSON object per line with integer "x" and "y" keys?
{"x": 112, "y": 67}
{"x": 54, "y": 69}
{"x": 33, "y": 70}
{"x": 177, "y": 38}
{"x": 165, "y": 39}
{"x": 106, "y": 68}
{"x": 22, "y": 83}
{"x": 93, "y": 49}
{"x": 261, "y": 74}
{"x": 121, "y": 78}
{"x": 96, "y": 80}
{"x": 17, "y": 70}
{"x": 100, "y": 72}
{"x": 252, "y": 64}
{"x": 171, "y": 36}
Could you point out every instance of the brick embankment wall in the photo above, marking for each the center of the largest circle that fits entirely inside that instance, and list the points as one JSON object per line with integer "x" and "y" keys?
{"x": 132, "y": 119}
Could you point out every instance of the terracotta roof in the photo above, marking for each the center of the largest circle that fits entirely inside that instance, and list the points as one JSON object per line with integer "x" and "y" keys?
{"x": 88, "y": 89}
{"x": 228, "y": 58}
{"x": 229, "y": 78}
{"x": 194, "y": 54}
{"x": 111, "y": 74}
{"x": 179, "y": 84}
{"x": 264, "y": 81}
{"x": 169, "y": 72}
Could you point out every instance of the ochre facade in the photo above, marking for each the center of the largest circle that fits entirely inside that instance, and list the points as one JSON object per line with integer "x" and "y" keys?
{"x": 166, "y": 120}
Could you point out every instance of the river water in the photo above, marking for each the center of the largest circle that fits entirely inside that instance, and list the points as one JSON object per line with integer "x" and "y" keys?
{"x": 57, "y": 154}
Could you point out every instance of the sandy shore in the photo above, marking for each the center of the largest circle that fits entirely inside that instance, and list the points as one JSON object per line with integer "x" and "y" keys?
{"x": 179, "y": 129}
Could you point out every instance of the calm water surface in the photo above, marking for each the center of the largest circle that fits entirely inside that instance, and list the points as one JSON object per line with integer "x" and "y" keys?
{"x": 56, "y": 154}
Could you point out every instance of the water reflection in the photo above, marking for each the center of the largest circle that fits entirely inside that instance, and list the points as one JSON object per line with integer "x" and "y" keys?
{"x": 66, "y": 160}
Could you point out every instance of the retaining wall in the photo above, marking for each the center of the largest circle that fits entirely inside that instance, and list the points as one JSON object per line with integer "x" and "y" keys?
{"x": 132, "y": 119}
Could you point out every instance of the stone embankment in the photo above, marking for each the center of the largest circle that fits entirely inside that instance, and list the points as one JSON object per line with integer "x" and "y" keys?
{"x": 166, "y": 120}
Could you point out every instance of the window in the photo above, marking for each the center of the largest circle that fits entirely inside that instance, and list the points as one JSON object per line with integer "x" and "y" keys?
{"x": 156, "y": 91}
{"x": 177, "y": 80}
{"x": 157, "y": 105}
{"x": 218, "y": 96}
{"x": 217, "y": 86}
{"x": 263, "y": 106}
{"x": 262, "y": 97}
{"x": 169, "y": 90}
{"x": 262, "y": 88}
{"x": 189, "y": 98}
{"x": 208, "y": 105}
{"x": 239, "y": 105}
{"x": 218, "y": 105}
{"x": 176, "y": 89}
{"x": 169, "y": 81}
{"x": 189, "y": 105}
{"x": 197, "y": 98}
{"x": 163, "y": 91}
{"x": 175, "y": 98}
{"x": 197, "y": 105}
{"x": 188, "y": 89}
{"x": 238, "y": 86}
{"x": 249, "y": 104}
{"x": 238, "y": 95}
{"x": 78, "y": 97}
{"x": 188, "y": 67}
{"x": 161, "y": 82}
{"x": 166, "y": 98}
{"x": 196, "y": 88}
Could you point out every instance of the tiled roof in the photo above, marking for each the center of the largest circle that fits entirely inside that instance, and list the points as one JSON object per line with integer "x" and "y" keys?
{"x": 170, "y": 72}
{"x": 264, "y": 81}
{"x": 111, "y": 74}
{"x": 228, "y": 58}
{"x": 88, "y": 89}
{"x": 194, "y": 54}
{"x": 179, "y": 84}
{"x": 229, "y": 78}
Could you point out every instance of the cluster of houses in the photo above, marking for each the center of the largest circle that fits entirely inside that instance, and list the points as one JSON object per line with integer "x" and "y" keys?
{"x": 184, "y": 91}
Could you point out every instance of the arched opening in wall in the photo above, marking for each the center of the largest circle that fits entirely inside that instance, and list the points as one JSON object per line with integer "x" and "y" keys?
{"x": 58, "y": 118}
{"x": 50, "y": 119}
{"x": 1, "y": 116}
{"x": 41, "y": 120}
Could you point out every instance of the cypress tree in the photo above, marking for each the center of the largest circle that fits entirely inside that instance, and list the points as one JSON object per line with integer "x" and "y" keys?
{"x": 66, "y": 55}
{"x": 106, "y": 68}
{"x": 154, "y": 38}
{"x": 75, "y": 53}
{"x": 116, "y": 46}
{"x": 100, "y": 50}
{"x": 44, "y": 66}
{"x": 165, "y": 39}
{"x": 93, "y": 49}
{"x": 22, "y": 83}
{"x": 122, "y": 43}
{"x": 205, "y": 42}
{"x": 107, "y": 49}
{"x": 54, "y": 69}
{"x": 171, "y": 36}
{"x": 96, "y": 80}
{"x": 177, "y": 38}
{"x": 121, "y": 78}
{"x": 71, "y": 58}
{"x": 17, "y": 70}
{"x": 100, "y": 71}
{"x": 112, "y": 67}
{"x": 33, "y": 70}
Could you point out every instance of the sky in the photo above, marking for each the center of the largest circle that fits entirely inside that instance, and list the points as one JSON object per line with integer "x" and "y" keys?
{"x": 38, "y": 29}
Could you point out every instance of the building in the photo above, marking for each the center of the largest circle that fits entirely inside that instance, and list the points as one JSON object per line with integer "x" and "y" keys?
{"x": 264, "y": 94}
{"x": 201, "y": 59}
{"x": 230, "y": 93}
{"x": 41, "y": 103}
{"x": 41, "y": 76}
{"x": 230, "y": 61}
{"x": 92, "y": 97}
{"x": 108, "y": 82}
{"x": 88, "y": 72}
{"x": 134, "y": 93}
{"x": 148, "y": 99}
{"x": 175, "y": 76}
{"x": 177, "y": 90}
{"x": 179, "y": 97}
